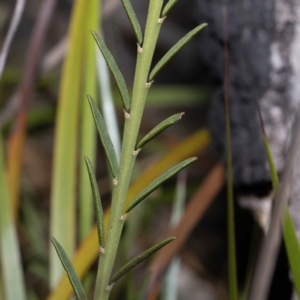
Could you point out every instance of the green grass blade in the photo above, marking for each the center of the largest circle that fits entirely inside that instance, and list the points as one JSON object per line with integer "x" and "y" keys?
{"x": 174, "y": 50}
{"x": 159, "y": 128}
{"x": 66, "y": 141}
{"x": 114, "y": 70}
{"x": 157, "y": 182}
{"x": 10, "y": 258}
{"x": 97, "y": 202}
{"x": 292, "y": 249}
{"x": 105, "y": 138}
{"x": 232, "y": 269}
{"x": 133, "y": 20}
{"x": 289, "y": 233}
{"x": 134, "y": 262}
{"x": 168, "y": 7}
{"x": 74, "y": 280}
{"x": 88, "y": 130}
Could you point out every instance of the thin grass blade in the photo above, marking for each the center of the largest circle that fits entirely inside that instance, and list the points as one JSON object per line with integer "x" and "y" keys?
{"x": 105, "y": 138}
{"x": 134, "y": 262}
{"x": 88, "y": 131}
{"x": 174, "y": 50}
{"x": 232, "y": 269}
{"x": 115, "y": 71}
{"x": 97, "y": 202}
{"x": 157, "y": 182}
{"x": 74, "y": 280}
{"x": 66, "y": 141}
{"x": 10, "y": 258}
{"x": 133, "y": 20}
{"x": 289, "y": 232}
{"x": 159, "y": 128}
{"x": 168, "y": 7}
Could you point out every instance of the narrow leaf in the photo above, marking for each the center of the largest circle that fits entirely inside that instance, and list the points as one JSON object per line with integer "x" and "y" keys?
{"x": 157, "y": 182}
{"x": 114, "y": 69}
{"x": 159, "y": 128}
{"x": 134, "y": 262}
{"x": 74, "y": 280}
{"x": 105, "y": 138}
{"x": 133, "y": 20}
{"x": 64, "y": 177}
{"x": 88, "y": 135}
{"x": 10, "y": 258}
{"x": 168, "y": 7}
{"x": 289, "y": 232}
{"x": 174, "y": 50}
{"x": 97, "y": 202}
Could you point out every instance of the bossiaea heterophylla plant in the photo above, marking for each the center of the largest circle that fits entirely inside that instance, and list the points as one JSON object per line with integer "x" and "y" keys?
{"x": 133, "y": 111}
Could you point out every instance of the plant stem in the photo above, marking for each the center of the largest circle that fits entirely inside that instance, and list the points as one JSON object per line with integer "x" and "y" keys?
{"x": 132, "y": 124}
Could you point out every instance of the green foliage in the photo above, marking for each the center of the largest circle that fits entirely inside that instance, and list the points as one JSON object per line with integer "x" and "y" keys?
{"x": 134, "y": 262}
{"x": 105, "y": 139}
{"x": 158, "y": 129}
{"x": 133, "y": 20}
{"x": 122, "y": 172}
{"x": 289, "y": 233}
{"x": 168, "y": 7}
{"x": 97, "y": 203}
{"x": 114, "y": 70}
{"x": 157, "y": 182}
{"x": 76, "y": 284}
{"x": 174, "y": 50}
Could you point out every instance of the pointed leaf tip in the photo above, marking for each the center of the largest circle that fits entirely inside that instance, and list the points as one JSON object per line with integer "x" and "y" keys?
{"x": 159, "y": 128}
{"x": 74, "y": 280}
{"x": 134, "y": 262}
{"x": 114, "y": 70}
{"x": 105, "y": 138}
{"x": 133, "y": 20}
{"x": 174, "y": 50}
{"x": 97, "y": 202}
{"x": 168, "y": 7}
{"x": 157, "y": 182}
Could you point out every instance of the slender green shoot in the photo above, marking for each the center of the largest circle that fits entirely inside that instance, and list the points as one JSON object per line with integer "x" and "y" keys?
{"x": 133, "y": 20}
{"x": 105, "y": 139}
{"x": 159, "y": 128}
{"x": 174, "y": 50}
{"x": 168, "y": 7}
{"x": 137, "y": 260}
{"x": 233, "y": 290}
{"x": 157, "y": 182}
{"x": 114, "y": 69}
{"x": 76, "y": 284}
{"x": 289, "y": 232}
{"x": 97, "y": 203}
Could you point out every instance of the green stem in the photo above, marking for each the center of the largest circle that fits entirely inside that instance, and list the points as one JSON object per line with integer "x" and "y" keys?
{"x": 132, "y": 124}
